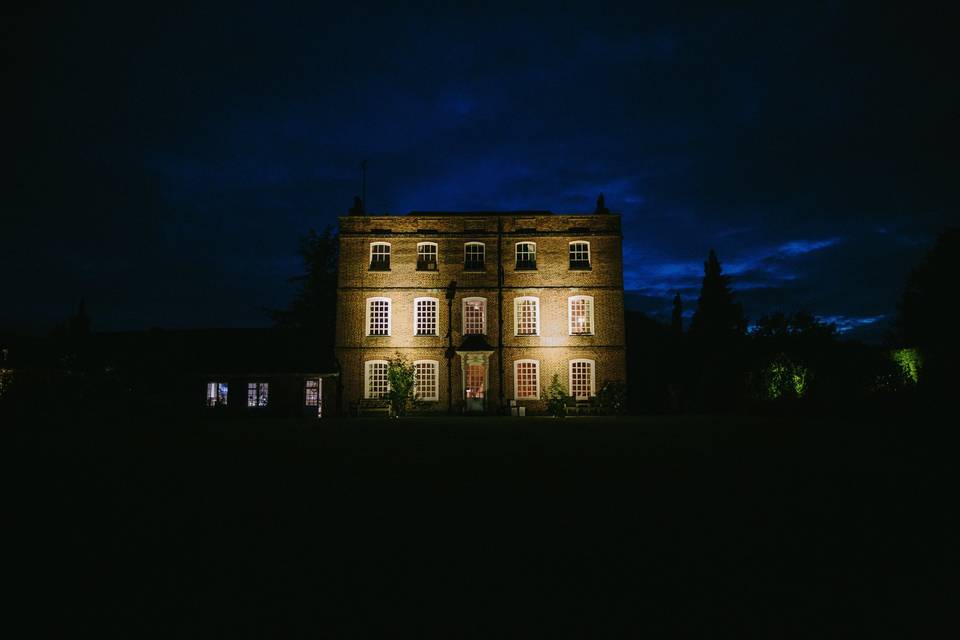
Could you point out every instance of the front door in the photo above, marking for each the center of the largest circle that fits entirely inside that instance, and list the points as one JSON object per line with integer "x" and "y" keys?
{"x": 476, "y": 382}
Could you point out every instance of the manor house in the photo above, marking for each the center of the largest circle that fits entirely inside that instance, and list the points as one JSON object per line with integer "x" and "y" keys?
{"x": 488, "y": 306}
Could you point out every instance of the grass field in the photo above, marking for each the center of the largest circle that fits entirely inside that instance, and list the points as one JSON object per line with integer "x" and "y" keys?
{"x": 480, "y": 528}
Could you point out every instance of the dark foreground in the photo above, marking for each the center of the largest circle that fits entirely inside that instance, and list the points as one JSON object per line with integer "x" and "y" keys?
{"x": 484, "y": 528}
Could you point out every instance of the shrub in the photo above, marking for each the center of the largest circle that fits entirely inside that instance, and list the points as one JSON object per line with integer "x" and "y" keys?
{"x": 557, "y": 398}
{"x": 613, "y": 397}
{"x": 400, "y": 376}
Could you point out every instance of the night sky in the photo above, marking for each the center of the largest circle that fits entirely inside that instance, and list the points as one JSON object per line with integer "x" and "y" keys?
{"x": 163, "y": 163}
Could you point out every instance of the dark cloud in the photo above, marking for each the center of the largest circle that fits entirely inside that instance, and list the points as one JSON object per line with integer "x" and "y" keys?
{"x": 167, "y": 159}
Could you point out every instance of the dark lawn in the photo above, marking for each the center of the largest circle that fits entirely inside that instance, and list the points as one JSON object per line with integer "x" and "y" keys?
{"x": 486, "y": 527}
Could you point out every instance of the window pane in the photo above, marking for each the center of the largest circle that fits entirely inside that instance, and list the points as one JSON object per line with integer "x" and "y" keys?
{"x": 474, "y": 255}
{"x": 425, "y": 380}
{"x": 580, "y": 312}
{"x": 257, "y": 393}
{"x": 312, "y": 393}
{"x": 476, "y": 380}
{"x": 380, "y": 256}
{"x": 581, "y": 379}
{"x": 526, "y": 375}
{"x": 377, "y": 383}
{"x": 474, "y": 316}
{"x": 579, "y": 254}
{"x": 526, "y": 255}
{"x": 526, "y": 317}
{"x": 426, "y": 257}
{"x": 426, "y": 315}
{"x": 379, "y": 318}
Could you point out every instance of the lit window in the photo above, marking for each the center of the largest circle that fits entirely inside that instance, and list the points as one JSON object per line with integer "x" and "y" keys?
{"x": 526, "y": 315}
{"x": 217, "y": 394}
{"x": 474, "y": 256}
{"x": 427, "y": 256}
{"x": 257, "y": 394}
{"x": 526, "y": 379}
{"x": 425, "y": 379}
{"x": 474, "y": 316}
{"x": 581, "y": 379}
{"x": 425, "y": 316}
{"x": 379, "y": 256}
{"x": 378, "y": 316}
{"x": 476, "y": 375}
{"x": 312, "y": 393}
{"x": 580, "y": 312}
{"x": 579, "y": 255}
{"x": 526, "y": 255}
{"x": 377, "y": 383}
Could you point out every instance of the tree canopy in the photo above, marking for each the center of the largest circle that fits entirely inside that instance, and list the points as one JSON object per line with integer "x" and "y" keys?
{"x": 315, "y": 301}
{"x": 718, "y": 315}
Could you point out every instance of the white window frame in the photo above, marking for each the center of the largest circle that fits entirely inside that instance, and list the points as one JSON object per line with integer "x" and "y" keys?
{"x": 516, "y": 251}
{"x": 593, "y": 327}
{"x": 380, "y": 243}
{"x": 261, "y": 390}
{"x": 570, "y": 251}
{"x": 516, "y": 315}
{"x": 463, "y": 323}
{"x": 389, "y": 317}
{"x": 436, "y": 323}
{"x": 436, "y": 387}
{"x": 366, "y": 378}
{"x": 482, "y": 245}
{"x": 436, "y": 251}
{"x": 516, "y": 379}
{"x": 306, "y": 392}
{"x": 214, "y": 397}
{"x": 593, "y": 377}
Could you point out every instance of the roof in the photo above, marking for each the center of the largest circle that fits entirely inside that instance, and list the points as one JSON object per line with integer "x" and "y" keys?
{"x": 480, "y": 213}
{"x": 224, "y": 350}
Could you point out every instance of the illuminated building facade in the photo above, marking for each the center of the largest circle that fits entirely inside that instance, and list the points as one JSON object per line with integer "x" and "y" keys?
{"x": 487, "y": 306}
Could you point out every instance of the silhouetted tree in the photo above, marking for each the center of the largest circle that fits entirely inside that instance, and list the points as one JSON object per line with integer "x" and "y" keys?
{"x": 676, "y": 317}
{"x": 716, "y": 365}
{"x": 924, "y": 320}
{"x": 718, "y": 316}
{"x": 314, "y": 305}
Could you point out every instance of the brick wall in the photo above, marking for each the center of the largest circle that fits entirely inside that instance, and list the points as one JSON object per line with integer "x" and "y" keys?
{"x": 553, "y": 282}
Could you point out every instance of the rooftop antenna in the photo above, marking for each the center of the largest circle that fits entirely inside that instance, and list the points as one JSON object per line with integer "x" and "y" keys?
{"x": 363, "y": 183}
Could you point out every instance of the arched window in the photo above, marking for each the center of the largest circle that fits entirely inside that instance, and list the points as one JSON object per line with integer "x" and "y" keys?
{"x": 474, "y": 316}
{"x": 580, "y": 255}
{"x": 379, "y": 256}
{"x": 425, "y": 384}
{"x": 378, "y": 316}
{"x": 526, "y": 379}
{"x": 526, "y": 316}
{"x": 526, "y": 256}
{"x": 376, "y": 382}
{"x": 582, "y": 378}
{"x": 426, "y": 256}
{"x": 474, "y": 256}
{"x": 580, "y": 315}
{"x": 425, "y": 321}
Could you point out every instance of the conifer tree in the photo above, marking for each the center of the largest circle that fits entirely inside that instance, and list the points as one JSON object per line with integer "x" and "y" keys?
{"x": 676, "y": 317}
{"x": 315, "y": 302}
{"x": 718, "y": 317}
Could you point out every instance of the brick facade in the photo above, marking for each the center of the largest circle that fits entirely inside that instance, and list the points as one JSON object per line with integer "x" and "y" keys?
{"x": 553, "y": 281}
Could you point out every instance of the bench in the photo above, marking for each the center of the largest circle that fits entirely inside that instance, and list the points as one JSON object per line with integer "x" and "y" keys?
{"x": 372, "y": 407}
{"x": 589, "y": 407}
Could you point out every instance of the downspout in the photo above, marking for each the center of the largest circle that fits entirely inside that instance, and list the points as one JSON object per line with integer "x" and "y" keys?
{"x": 451, "y": 294}
{"x": 500, "y": 308}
